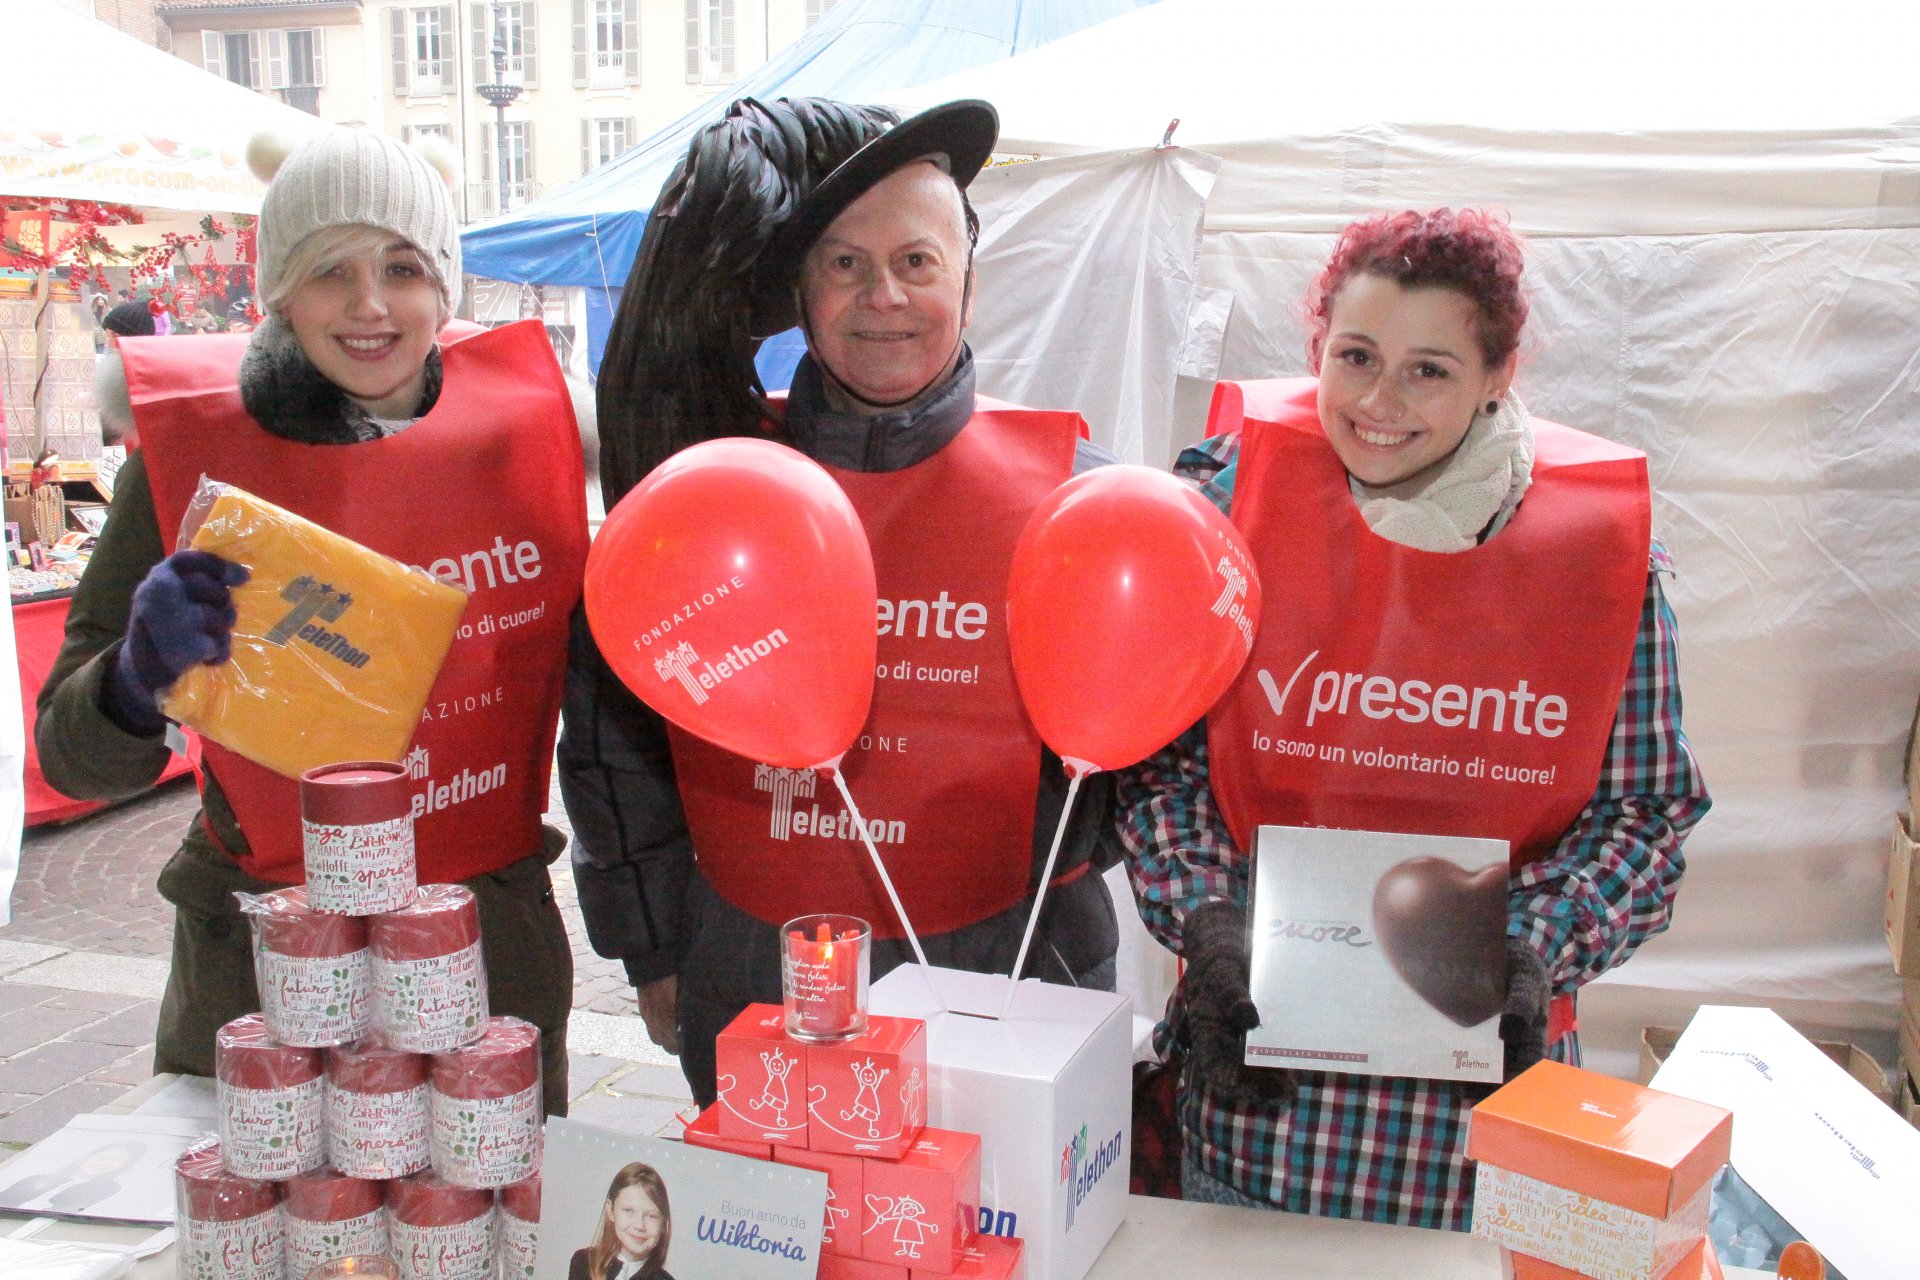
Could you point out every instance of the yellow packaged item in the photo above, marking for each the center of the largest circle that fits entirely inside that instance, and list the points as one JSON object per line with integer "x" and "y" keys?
{"x": 335, "y": 647}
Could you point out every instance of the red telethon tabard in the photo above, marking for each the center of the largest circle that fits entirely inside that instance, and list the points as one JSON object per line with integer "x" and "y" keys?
{"x": 732, "y": 590}
{"x": 1131, "y": 606}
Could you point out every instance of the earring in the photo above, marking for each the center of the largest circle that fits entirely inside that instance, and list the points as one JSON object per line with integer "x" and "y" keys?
{"x": 1493, "y": 407}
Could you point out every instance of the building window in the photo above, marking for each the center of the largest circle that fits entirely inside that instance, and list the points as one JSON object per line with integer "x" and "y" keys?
{"x": 606, "y": 43}
{"x": 295, "y": 67}
{"x": 233, "y": 55}
{"x": 425, "y": 48}
{"x": 519, "y": 29}
{"x": 422, "y": 48}
{"x": 518, "y": 136}
{"x": 817, "y": 9}
{"x": 710, "y": 41}
{"x": 602, "y": 141}
{"x": 414, "y": 132}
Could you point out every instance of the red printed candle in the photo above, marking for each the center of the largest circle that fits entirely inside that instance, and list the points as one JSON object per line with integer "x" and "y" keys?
{"x": 271, "y": 1100}
{"x": 518, "y": 1245}
{"x": 762, "y": 1079}
{"x": 357, "y": 826}
{"x": 923, "y": 1209}
{"x": 869, "y": 1094}
{"x": 704, "y": 1131}
{"x": 228, "y": 1227}
{"x": 329, "y": 1216}
{"x": 313, "y": 969}
{"x": 429, "y": 985}
{"x": 845, "y": 1220}
{"x": 439, "y": 1231}
{"x": 483, "y": 1102}
{"x": 377, "y": 1111}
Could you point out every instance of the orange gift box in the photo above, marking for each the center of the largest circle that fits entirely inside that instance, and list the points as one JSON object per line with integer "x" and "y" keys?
{"x": 1584, "y": 1171}
{"x": 1699, "y": 1264}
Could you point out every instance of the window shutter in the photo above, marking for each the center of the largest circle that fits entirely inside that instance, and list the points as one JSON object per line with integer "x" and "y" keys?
{"x": 397, "y": 30}
{"x": 255, "y": 68}
{"x": 317, "y": 39}
{"x": 579, "y": 44}
{"x": 693, "y": 41}
{"x": 526, "y": 167}
{"x": 482, "y": 27}
{"x": 213, "y": 53}
{"x": 529, "y": 42}
{"x": 447, "y": 52}
{"x": 487, "y": 147}
{"x": 726, "y": 40}
{"x": 276, "y": 59}
{"x": 586, "y": 147}
{"x": 630, "y": 40}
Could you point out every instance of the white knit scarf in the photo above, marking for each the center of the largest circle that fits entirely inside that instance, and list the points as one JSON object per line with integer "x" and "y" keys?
{"x": 1476, "y": 489}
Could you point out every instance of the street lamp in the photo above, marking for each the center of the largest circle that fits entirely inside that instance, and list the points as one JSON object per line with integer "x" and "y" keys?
{"x": 500, "y": 94}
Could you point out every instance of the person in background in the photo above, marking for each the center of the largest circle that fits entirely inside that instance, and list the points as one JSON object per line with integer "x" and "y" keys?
{"x": 863, "y": 236}
{"x": 347, "y": 385}
{"x": 125, "y": 320}
{"x": 1504, "y": 549}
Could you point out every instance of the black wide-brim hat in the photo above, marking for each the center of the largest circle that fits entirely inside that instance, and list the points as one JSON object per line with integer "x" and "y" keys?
{"x": 961, "y": 133}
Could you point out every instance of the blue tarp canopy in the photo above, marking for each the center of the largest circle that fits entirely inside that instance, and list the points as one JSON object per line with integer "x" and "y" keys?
{"x": 588, "y": 232}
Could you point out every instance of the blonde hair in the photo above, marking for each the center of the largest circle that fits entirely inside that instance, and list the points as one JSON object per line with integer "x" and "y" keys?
{"x": 329, "y": 247}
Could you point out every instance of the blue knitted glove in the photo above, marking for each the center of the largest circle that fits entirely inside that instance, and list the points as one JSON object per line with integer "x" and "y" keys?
{"x": 182, "y": 614}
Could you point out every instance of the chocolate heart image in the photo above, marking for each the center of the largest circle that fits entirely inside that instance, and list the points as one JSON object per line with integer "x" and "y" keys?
{"x": 1444, "y": 929}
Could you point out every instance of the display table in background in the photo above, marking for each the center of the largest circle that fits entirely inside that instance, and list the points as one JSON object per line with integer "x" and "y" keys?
{"x": 38, "y": 628}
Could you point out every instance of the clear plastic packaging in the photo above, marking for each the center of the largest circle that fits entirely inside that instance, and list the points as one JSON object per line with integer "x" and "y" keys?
{"x": 518, "y": 1245}
{"x": 335, "y": 648}
{"x": 484, "y": 1099}
{"x": 429, "y": 980}
{"x": 440, "y": 1231}
{"x": 377, "y": 1124}
{"x": 228, "y": 1227}
{"x": 331, "y": 1216}
{"x": 356, "y": 823}
{"x": 314, "y": 970}
{"x": 271, "y": 1100}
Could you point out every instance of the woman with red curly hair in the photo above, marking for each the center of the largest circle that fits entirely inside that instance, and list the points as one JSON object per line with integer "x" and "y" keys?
{"x": 1418, "y": 535}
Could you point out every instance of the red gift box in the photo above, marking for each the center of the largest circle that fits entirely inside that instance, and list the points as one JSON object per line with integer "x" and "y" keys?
{"x": 868, "y": 1095}
{"x": 846, "y": 1216}
{"x": 923, "y": 1209}
{"x": 762, "y": 1079}
{"x": 835, "y": 1267}
{"x": 987, "y": 1258}
{"x": 704, "y": 1131}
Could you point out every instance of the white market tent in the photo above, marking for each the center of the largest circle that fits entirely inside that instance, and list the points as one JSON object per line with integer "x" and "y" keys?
{"x": 1723, "y": 205}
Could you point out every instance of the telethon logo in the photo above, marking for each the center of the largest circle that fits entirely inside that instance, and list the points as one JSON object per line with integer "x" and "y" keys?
{"x": 787, "y": 785}
{"x": 679, "y": 663}
{"x": 1082, "y": 1168}
{"x": 312, "y": 600}
{"x": 1232, "y": 603}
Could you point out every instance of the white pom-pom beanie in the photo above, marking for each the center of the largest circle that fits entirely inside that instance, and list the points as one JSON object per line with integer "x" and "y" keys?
{"x": 352, "y": 176}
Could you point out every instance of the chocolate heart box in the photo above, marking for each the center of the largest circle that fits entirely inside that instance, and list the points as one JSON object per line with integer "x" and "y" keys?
{"x": 1378, "y": 953}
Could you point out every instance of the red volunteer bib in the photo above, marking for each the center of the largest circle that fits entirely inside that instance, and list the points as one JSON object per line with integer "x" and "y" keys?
{"x": 1390, "y": 689}
{"x": 947, "y": 768}
{"x": 486, "y": 492}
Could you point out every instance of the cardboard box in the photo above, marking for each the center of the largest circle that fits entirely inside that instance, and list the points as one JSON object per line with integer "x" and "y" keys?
{"x": 867, "y": 1096}
{"x": 922, "y": 1209}
{"x": 846, "y": 1212}
{"x": 835, "y": 1267}
{"x": 1698, "y": 1264}
{"x": 1617, "y": 1176}
{"x": 761, "y": 1077}
{"x": 704, "y": 1131}
{"x": 987, "y": 1258}
{"x": 1049, "y": 1090}
{"x": 1657, "y": 1042}
{"x": 1903, "y": 899}
{"x": 1807, "y": 1138}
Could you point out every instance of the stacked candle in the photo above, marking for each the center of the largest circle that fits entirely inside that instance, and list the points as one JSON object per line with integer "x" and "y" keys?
{"x": 485, "y": 1107}
{"x": 229, "y": 1227}
{"x": 518, "y": 1240}
{"x": 429, "y": 981}
{"x": 312, "y": 969}
{"x": 271, "y": 1102}
{"x": 357, "y": 828}
{"x": 440, "y": 1231}
{"x": 377, "y": 1118}
{"x": 329, "y": 1216}
{"x": 903, "y": 1199}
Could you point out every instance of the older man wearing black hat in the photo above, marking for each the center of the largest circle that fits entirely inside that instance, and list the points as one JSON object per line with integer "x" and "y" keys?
{"x": 813, "y": 213}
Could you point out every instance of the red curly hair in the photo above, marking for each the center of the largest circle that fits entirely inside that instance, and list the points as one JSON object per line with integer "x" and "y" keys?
{"x": 1470, "y": 251}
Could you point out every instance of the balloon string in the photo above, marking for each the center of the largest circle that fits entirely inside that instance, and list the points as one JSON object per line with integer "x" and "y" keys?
{"x": 1040, "y": 895}
{"x": 860, "y": 825}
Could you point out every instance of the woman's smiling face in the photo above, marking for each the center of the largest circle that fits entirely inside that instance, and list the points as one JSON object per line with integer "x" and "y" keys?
{"x": 636, "y": 1222}
{"x": 1401, "y": 377}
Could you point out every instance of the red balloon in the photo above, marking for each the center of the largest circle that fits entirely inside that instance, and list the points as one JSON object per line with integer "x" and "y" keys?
{"x": 1131, "y": 607}
{"x": 732, "y": 590}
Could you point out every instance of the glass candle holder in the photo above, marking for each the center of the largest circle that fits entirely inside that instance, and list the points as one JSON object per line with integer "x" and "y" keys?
{"x": 825, "y": 960}
{"x": 369, "y": 1266}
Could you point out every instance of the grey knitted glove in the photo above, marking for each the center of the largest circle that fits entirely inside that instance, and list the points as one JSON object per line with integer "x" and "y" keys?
{"x": 1220, "y": 1010}
{"x": 1523, "y": 1025}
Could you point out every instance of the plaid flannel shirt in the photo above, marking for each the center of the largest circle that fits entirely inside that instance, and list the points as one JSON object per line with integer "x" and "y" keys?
{"x": 1394, "y": 1150}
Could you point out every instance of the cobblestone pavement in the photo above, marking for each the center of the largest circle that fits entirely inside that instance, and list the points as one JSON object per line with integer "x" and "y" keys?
{"x": 82, "y": 963}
